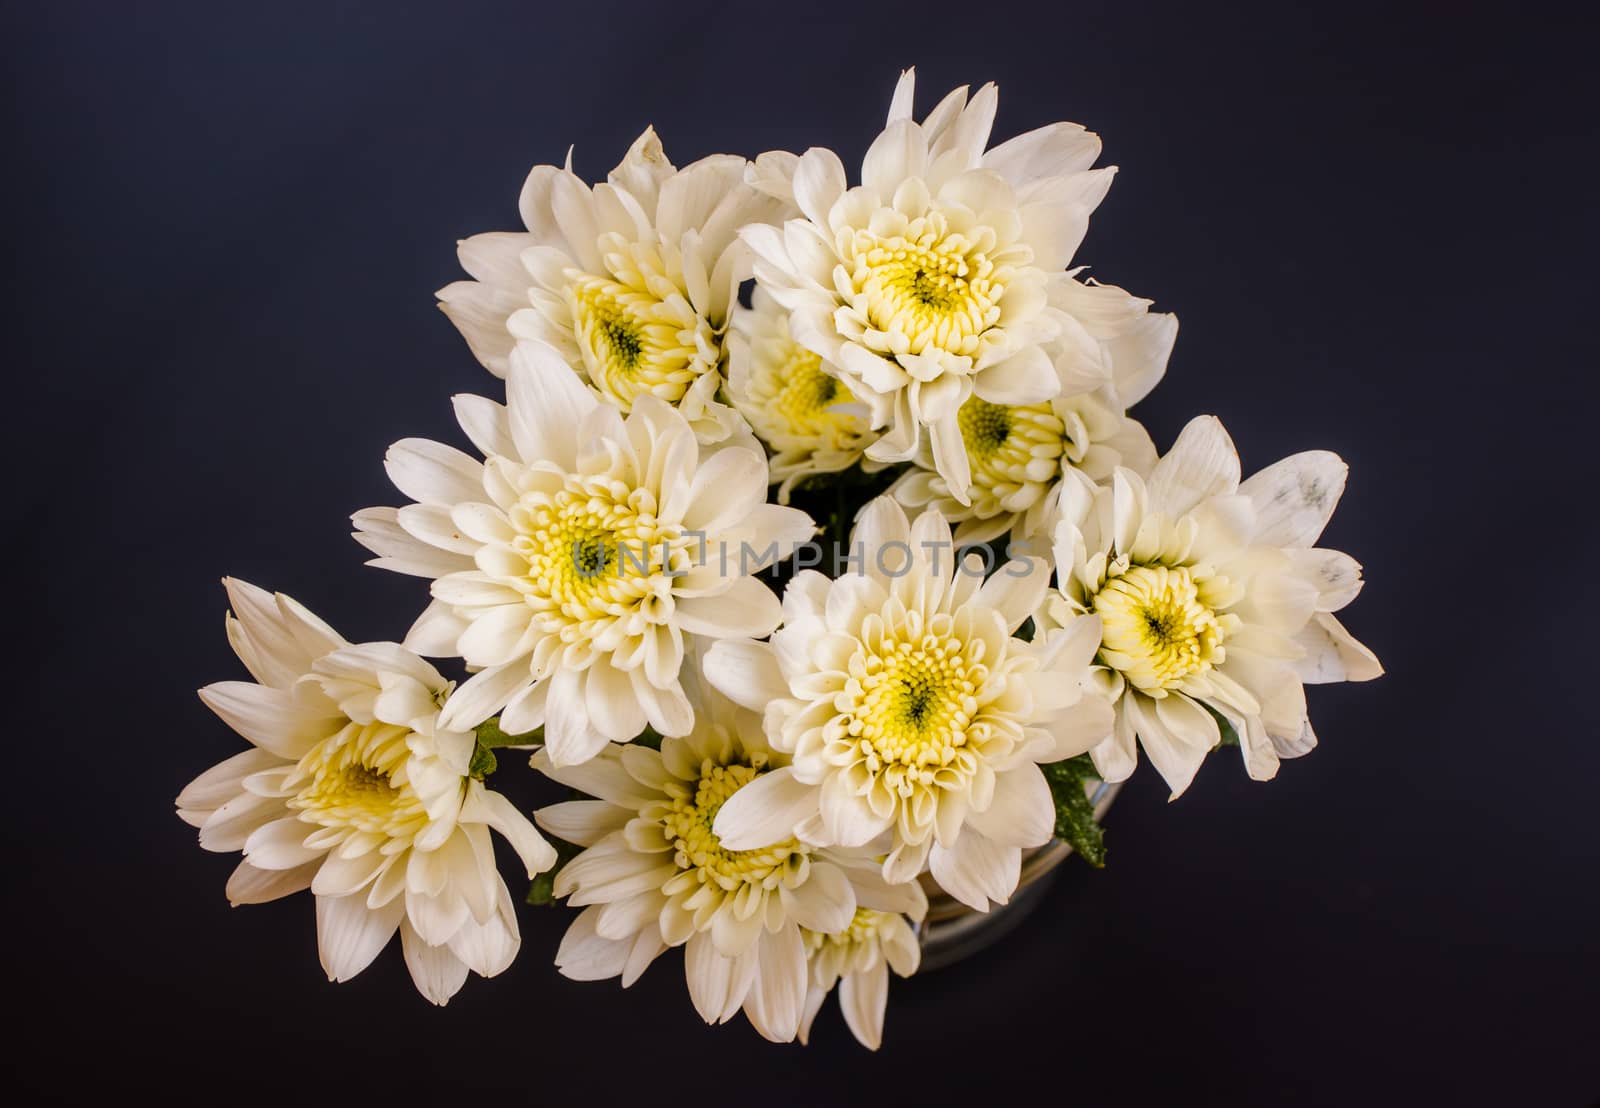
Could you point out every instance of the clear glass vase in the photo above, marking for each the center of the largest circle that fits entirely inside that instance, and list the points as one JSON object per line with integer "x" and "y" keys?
{"x": 952, "y": 931}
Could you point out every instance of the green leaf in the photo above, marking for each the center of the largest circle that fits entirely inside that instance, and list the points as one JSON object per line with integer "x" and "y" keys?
{"x": 483, "y": 762}
{"x": 490, "y": 735}
{"x": 543, "y": 888}
{"x": 1230, "y": 737}
{"x": 1075, "y": 822}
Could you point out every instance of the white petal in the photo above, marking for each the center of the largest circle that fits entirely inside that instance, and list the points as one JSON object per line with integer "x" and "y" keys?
{"x": 976, "y": 870}
{"x": 899, "y": 151}
{"x": 1176, "y": 760}
{"x": 276, "y": 638}
{"x": 1016, "y": 591}
{"x": 745, "y": 672}
{"x": 486, "y": 423}
{"x": 1027, "y": 377}
{"x": 725, "y": 488}
{"x": 350, "y": 935}
{"x": 433, "y": 473}
{"x": 582, "y": 822}
{"x": 272, "y": 719}
{"x": 747, "y": 609}
{"x": 1022, "y": 812}
{"x": 614, "y": 711}
{"x": 249, "y": 885}
{"x": 437, "y": 973}
{"x": 489, "y": 948}
{"x": 819, "y": 181}
{"x": 1333, "y": 654}
{"x": 825, "y": 903}
{"x": 480, "y": 312}
{"x": 379, "y": 530}
{"x": 484, "y": 805}
{"x": 224, "y": 781}
{"x": 546, "y": 402}
{"x": 864, "y": 998}
{"x": 778, "y": 995}
{"x": 878, "y": 524}
{"x": 602, "y": 776}
{"x": 280, "y": 845}
{"x": 714, "y": 986}
{"x": 569, "y": 735}
{"x": 483, "y": 694}
{"x": 1081, "y": 728}
{"x": 1294, "y": 498}
{"x": 1050, "y": 151}
{"x": 1201, "y": 464}
{"x": 585, "y": 956}
{"x": 765, "y": 811}
{"x": 436, "y": 632}
{"x": 1336, "y": 575}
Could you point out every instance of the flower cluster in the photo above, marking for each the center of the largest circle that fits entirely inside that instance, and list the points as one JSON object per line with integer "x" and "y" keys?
{"x": 814, "y": 549}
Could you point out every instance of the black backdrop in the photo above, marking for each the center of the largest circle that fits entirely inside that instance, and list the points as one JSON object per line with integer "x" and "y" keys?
{"x": 1377, "y": 227}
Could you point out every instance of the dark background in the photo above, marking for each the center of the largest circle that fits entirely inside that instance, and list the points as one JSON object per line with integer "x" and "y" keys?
{"x": 1378, "y": 228}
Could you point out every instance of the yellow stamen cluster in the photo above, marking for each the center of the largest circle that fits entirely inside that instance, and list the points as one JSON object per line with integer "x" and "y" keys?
{"x": 1015, "y": 453}
{"x": 700, "y": 856}
{"x": 926, "y": 285}
{"x": 1158, "y": 630}
{"x": 356, "y": 780}
{"x": 593, "y": 550}
{"x": 809, "y": 418}
{"x": 805, "y": 401}
{"x": 635, "y": 327}
{"x": 912, "y": 698}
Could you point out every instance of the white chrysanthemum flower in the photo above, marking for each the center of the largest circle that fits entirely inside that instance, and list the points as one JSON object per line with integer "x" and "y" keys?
{"x": 858, "y": 960}
{"x": 352, "y": 789}
{"x": 943, "y": 274}
{"x": 1111, "y": 352}
{"x": 1018, "y": 456}
{"x": 575, "y": 562}
{"x": 803, "y": 412}
{"x": 911, "y": 711}
{"x": 1208, "y": 593}
{"x": 633, "y": 279}
{"x": 654, "y": 875}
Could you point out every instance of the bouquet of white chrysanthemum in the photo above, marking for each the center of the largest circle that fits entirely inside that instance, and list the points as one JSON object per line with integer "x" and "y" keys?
{"x": 829, "y": 607}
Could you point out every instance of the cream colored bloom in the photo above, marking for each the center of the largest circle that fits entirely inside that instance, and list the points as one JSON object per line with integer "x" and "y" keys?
{"x": 1112, "y": 350}
{"x": 1208, "y": 593}
{"x": 858, "y": 960}
{"x": 911, "y": 710}
{"x": 633, "y": 279}
{"x": 943, "y": 274}
{"x": 352, "y": 789}
{"x": 654, "y": 875}
{"x": 800, "y": 409}
{"x": 574, "y": 564}
{"x": 1018, "y": 456}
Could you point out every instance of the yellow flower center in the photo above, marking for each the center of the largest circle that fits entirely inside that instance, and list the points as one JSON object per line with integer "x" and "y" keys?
{"x": 635, "y": 327}
{"x": 1014, "y": 452}
{"x": 928, "y": 287}
{"x": 356, "y": 779}
{"x": 700, "y": 855}
{"x": 1157, "y": 629}
{"x": 594, "y": 551}
{"x": 807, "y": 400}
{"x": 809, "y": 418}
{"x": 912, "y": 701}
